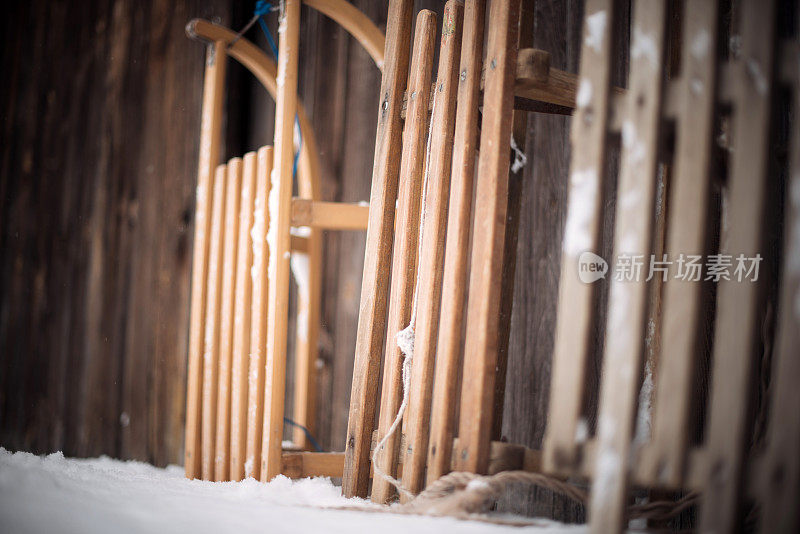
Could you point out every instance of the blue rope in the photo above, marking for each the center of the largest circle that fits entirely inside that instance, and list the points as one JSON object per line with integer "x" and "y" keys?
{"x": 306, "y": 431}
{"x": 264, "y": 8}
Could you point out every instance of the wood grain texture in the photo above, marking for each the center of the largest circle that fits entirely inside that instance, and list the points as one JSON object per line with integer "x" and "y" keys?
{"x": 428, "y": 291}
{"x": 229, "y": 263}
{"x": 488, "y": 239}
{"x": 625, "y": 326}
{"x": 375, "y": 286}
{"x": 240, "y": 364}
{"x": 582, "y": 232}
{"x": 258, "y": 314}
{"x": 211, "y": 130}
{"x": 778, "y": 479}
{"x": 279, "y": 204}
{"x": 405, "y": 250}
{"x": 664, "y": 459}
{"x": 735, "y": 332}
{"x": 211, "y": 326}
{"x": 454, "y": 283}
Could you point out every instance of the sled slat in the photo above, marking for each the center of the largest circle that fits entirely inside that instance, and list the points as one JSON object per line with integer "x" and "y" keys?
{"x": 213, "y": 92}
{"x": 375, "y": 285}
{"x": 448, "y": 354}
{"x": 229, "y": 253}
{"x": 587, "y": 168}
{"x": 434, "y": 217}
{"x": 258, "y": 314}
{"x": 483, "y": 312}
{"x": 404, "y": 256}
{"x": 780, "y": 469}
{"x": 329, "y": 215}
{"x": 212, "y": 324}
{"x": 625, "y": 327}
{"x": 279, "y": 238}
{"x": 241, "y": 324}
{"x": 664, "y": 460}
{"x": 735, "y": 330}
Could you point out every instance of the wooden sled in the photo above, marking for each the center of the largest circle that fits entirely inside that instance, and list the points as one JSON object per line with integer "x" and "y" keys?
{"x": 421, "y": 219}
{"x": 238, "y": 324}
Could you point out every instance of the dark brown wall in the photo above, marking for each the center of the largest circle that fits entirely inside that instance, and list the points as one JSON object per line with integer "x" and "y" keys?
{"x": 100, "y": 118}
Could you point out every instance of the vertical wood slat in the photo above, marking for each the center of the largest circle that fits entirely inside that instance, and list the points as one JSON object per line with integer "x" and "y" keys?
{"x": 212, "y": 323}
{"x": 735, "y": 330}
{"x": 434, "y": 216}
{"x": 448, "y": 353}
{"x": 306, "y": 269}
{"x": 483, "y": 312}
{"x": 404, "y": 255}
{"x": 229, "y": 259}
{"x": 278, "y": 235}
{"x": 625, "y": 329}
{"x": 664, "y": 459}
{"x": 241, "y": 325}
{"x": 210, "y": 135}
{"x": 519, "y": 129}
{"x": 258, "y": 316}
{"x": 779, "y": 483}
{"x": 377, "y": 257}
{"x": 587, "y": 167}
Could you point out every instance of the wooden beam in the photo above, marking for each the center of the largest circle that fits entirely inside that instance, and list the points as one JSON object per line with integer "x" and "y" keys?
{"x": 404, "y": 255}
{"x": 627, "y": 305}
{"x": 663, "y": 461}
{"x": 575, "y": 300}
{"x": 229, "y": 259}
{"x": 431, "y": 250}
{"x": 488, "y": 239}
{"x": 210, "y": 135}
{"x": 380, "y": 233}
{"x": 278, "y": 240}
{"x": 242, "y": 315}
{"x": 735, "y": 331}
{"x": 212, "y": 316}
{"x": 448, "y": 353}
{"x": 329, "y": 215}
{"x": 258, "y": 314}
{"x": 312, "y": 464}
{"x": 778, "y": 480}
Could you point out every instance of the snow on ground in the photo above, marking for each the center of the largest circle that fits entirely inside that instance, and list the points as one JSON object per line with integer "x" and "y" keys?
{"x": 55, "y": 494}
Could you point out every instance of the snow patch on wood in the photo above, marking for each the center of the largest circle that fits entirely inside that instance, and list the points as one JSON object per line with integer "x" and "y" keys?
{"x": 595, "y": 30}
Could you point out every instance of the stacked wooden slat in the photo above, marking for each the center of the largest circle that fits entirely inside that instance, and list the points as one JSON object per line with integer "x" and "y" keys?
{"x": 617, "y": 456}
{"x": 429, "y": 250}
{"x": 237, "y": 357}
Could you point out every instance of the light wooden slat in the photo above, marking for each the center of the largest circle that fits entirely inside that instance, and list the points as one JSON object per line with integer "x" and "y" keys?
{"x": 778, "y": 487}
{"x": 735, "y": 330}
{"x": 329, "y": 215}
{"x": 404, "y": 256}
{"x": 280, "y": 204}
{"x": 374, "y": 285}
{"x": 434, "y": 217}
{"x": 305, "y": 350}
{"x": 258, "y": 314}
{"x": 625, "y": 328}
{"x": 491, "y": 203}
{"x": 210, "y": 132}
{"x": 229, "y": 260}
{"x": 312, "y": 464}
{"x": 465, "y": 144}
{"x": 664, "y": 460}
{"x": 587, "y": 174}
{"x": 241, "y": 324}
{"x": 212, "y": 324}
